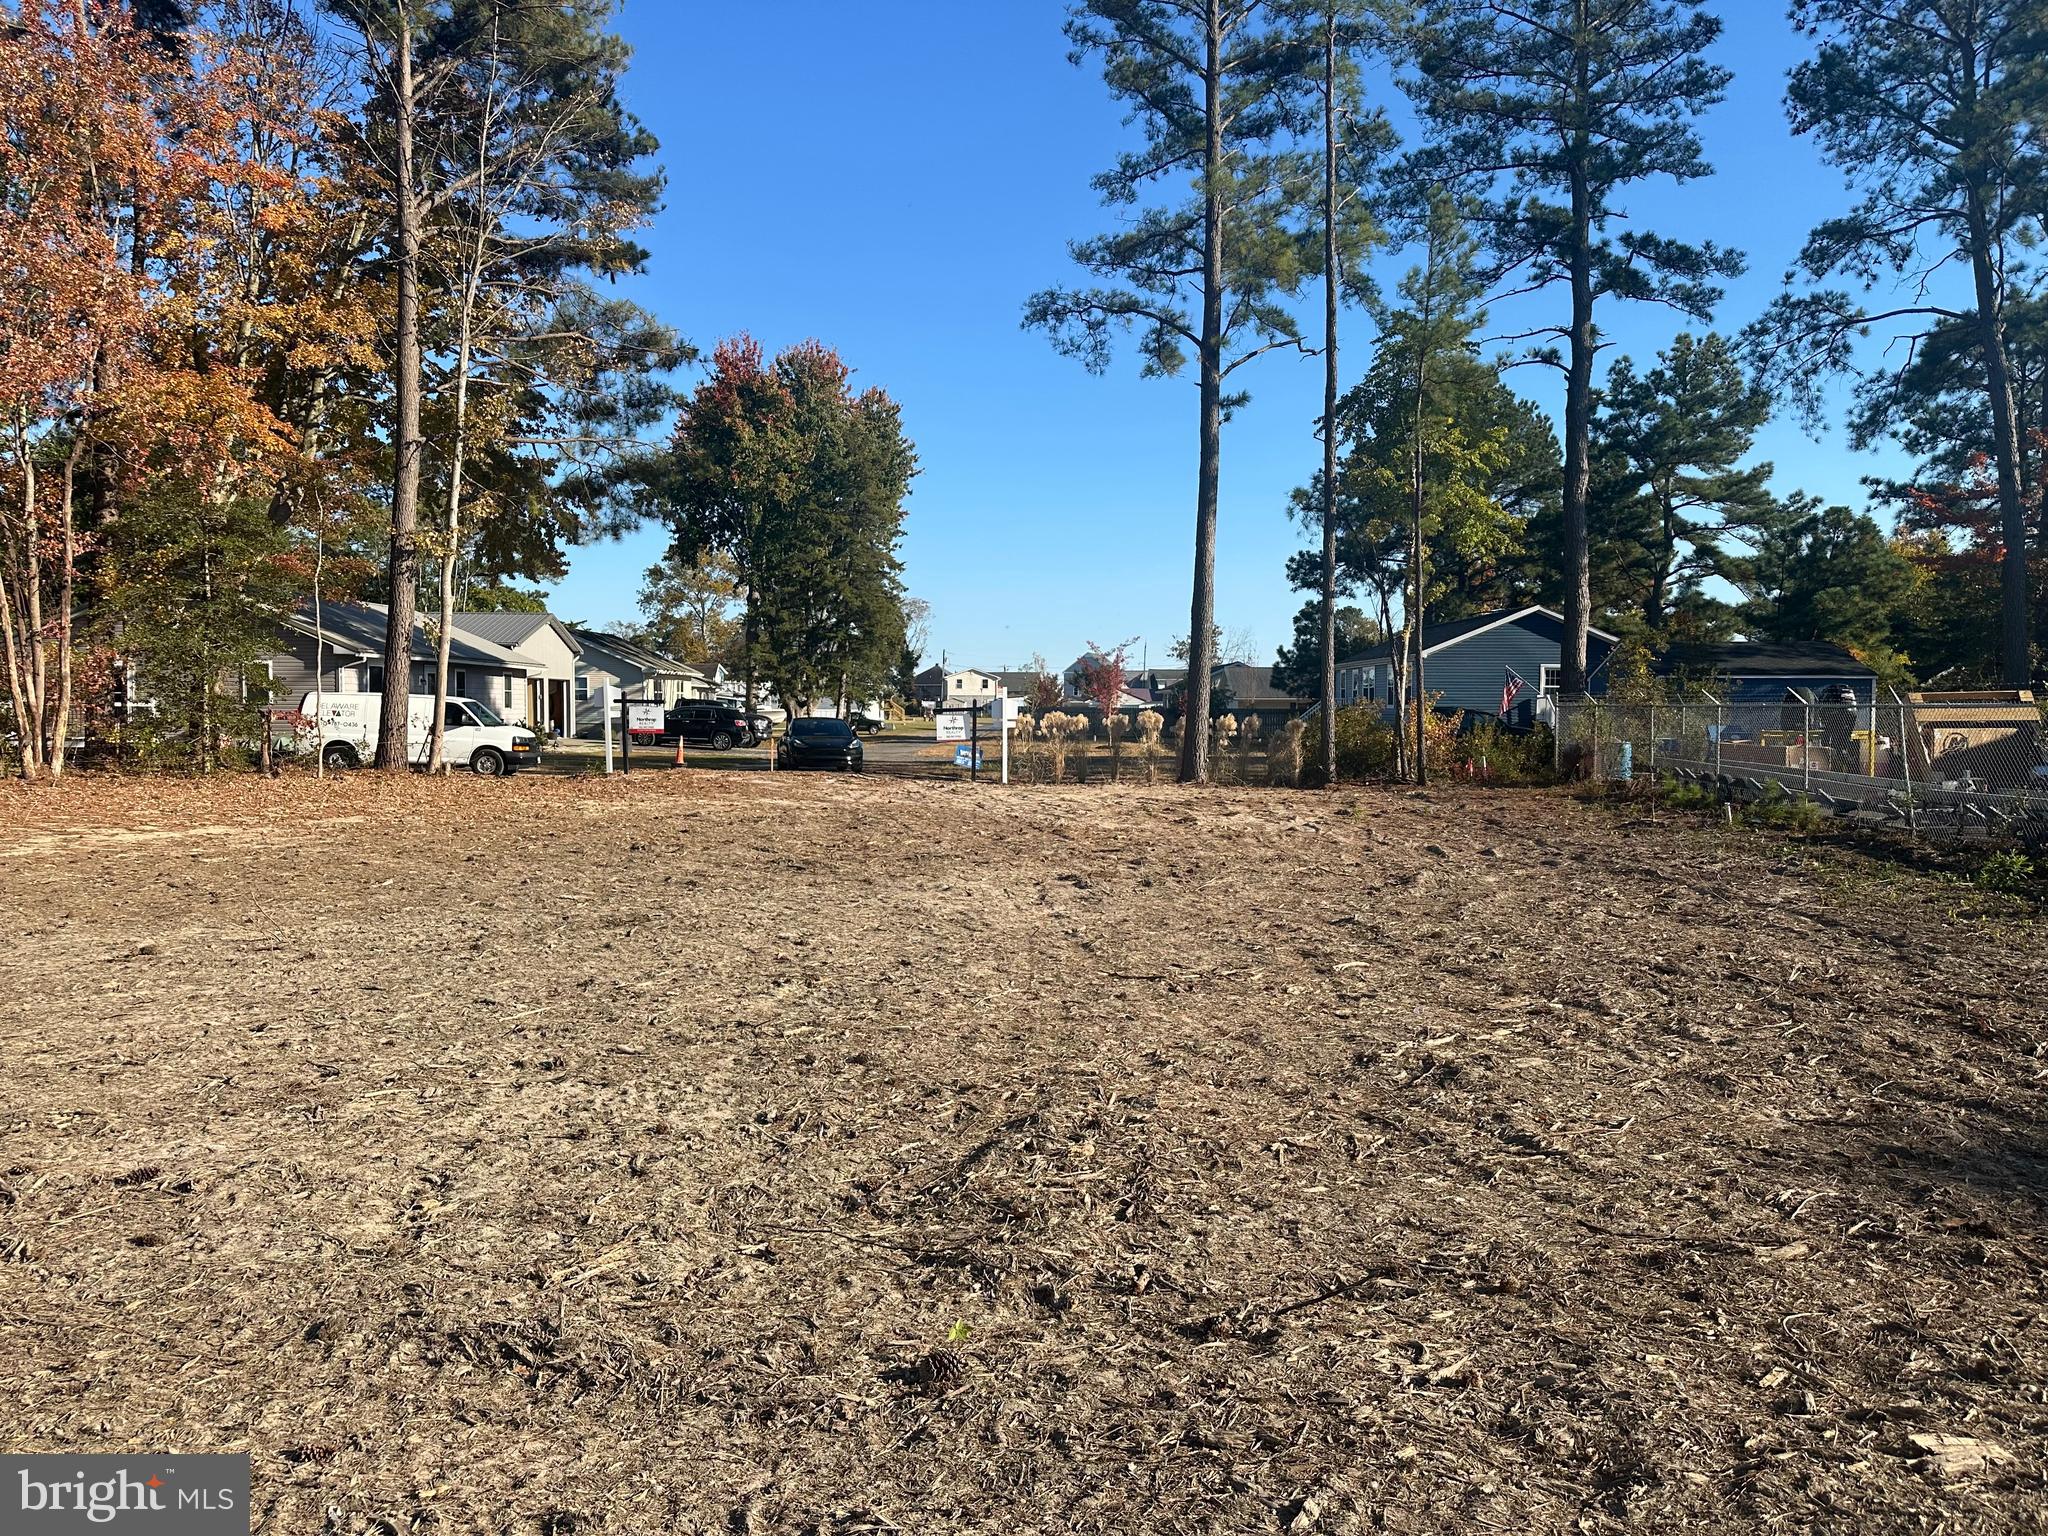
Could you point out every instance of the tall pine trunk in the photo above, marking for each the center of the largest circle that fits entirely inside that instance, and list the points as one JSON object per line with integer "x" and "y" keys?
{"x": 1328, "y": 754}
{"x": 1194, "y": 735}
{"x": 392, "y": 749}
{"x": 1419, "y": 589}
{"x": 2015, "y": 607}
{"x": 1578, "y": 403}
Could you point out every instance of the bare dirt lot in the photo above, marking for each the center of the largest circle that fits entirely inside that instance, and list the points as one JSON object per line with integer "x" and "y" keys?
{"x": 734, "y": 1153}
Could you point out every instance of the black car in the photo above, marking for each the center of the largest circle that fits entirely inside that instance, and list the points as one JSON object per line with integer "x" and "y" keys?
{"x": 717, "y": 726}
{"x": 819, "y": 744}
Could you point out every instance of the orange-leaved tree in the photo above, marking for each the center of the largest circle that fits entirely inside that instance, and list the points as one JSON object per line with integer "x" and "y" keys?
{"x": 112, "y": 142}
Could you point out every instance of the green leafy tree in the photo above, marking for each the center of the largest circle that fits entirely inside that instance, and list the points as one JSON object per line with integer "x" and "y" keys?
{"x": 1210, "y": 84}
{"x": 1550, "y": 111}
{"x": 690, "y": 609}
{"x": 193, "y": 582}
{"x": 1297, "y": 667}
{"x": 797, "y": 481}
{"x": 1822, "y": 573}
{"x": 503, "y": 597}
{"x": 1934, "y": 112}
{"x": 1668, "y": 488}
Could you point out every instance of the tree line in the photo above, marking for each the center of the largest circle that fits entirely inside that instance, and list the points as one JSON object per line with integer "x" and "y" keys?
{"x": 313, "y": 299}
{"x": 1442, "y": 491}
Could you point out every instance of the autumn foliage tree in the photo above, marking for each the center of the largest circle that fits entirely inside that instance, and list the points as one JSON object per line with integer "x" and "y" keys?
{"x": 116, "y": 147}
{"x": 797, "y": 480}
{"x": 1101, "y": 676}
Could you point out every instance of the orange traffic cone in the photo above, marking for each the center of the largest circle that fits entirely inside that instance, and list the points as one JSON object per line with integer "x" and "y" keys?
{"x": 679, "y": 749}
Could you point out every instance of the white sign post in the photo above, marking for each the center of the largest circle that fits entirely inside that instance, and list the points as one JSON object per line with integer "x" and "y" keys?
{"x": 607, "y": 705}
{"x": 1003, "y": 718}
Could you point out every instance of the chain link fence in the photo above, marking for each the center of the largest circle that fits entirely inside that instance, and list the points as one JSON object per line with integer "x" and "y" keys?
{"x": 1951, "y": 765}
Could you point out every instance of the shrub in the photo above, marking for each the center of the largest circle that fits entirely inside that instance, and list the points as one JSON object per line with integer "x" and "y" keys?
{"x": 1787, "y": 812}
{"x": 1365, "y": 743}
{"x": 2007, "y": 870}
{"x": 1489, "y": 751}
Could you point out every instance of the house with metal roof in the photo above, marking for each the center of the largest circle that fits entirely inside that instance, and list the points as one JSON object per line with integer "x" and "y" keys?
{"x": 636, "y": 671}
{"x": 340, "y": 649}
{"x": 1468, "y": 662}
{"x": 552, "y": 654}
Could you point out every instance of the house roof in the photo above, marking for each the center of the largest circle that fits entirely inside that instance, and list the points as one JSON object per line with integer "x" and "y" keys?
{"x": 1441, "y": 637}
{"x": 359, "y": 628}
{"x": 633, "y": 653}
{"x": 1765, "y": 658}
{"x": 1252, "y": 685}
{"x": 513, "y": 630}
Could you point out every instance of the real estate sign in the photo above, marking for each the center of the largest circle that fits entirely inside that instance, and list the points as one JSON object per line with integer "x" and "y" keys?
{"x": 644, "y": 718}
{"x": 953, "y": 725}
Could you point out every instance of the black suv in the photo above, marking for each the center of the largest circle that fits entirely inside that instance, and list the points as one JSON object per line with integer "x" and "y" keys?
{"x": 717, "y": 726}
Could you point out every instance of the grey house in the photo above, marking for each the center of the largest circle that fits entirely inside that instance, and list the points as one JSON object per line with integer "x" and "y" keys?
{"x": 348, "y": 645}
{"x": 637, "y": 671}
{"x": 551, "y": 655}
{"x": 1468, "y": 661}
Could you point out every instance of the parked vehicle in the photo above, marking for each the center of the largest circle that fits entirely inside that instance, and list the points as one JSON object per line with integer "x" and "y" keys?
{"x": 720, "y": 727}
{"x": 863, "y": 720}
{"x": 760, "y": 726}
{"x": 820, "y": 744}
{"x": 475, "y": 737}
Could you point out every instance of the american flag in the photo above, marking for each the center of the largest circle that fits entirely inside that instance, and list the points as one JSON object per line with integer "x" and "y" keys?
{"x": 1511, "y": 690}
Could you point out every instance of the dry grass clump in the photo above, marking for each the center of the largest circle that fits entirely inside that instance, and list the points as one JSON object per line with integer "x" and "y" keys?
{"x": 1060, "y": 730}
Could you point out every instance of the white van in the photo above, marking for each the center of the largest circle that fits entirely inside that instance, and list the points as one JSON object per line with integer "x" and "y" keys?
{"x": 475, "y": 739}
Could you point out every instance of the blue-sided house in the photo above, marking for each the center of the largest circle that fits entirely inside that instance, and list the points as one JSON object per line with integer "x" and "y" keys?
{"x": 1468, "y": 661}
{"x": 1769, "y": 671}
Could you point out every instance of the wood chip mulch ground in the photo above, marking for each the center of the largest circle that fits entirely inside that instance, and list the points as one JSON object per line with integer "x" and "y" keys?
{"x": 727, "y": 1153}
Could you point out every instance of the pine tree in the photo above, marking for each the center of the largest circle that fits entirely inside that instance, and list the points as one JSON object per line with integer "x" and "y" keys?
{"x": 1668, "y": 490}
{"x": 1934, "y": 111}
{"x": 1211, "y": 82}
{"x": 1344, "y": 229}
{"x": 1550, "y": 110}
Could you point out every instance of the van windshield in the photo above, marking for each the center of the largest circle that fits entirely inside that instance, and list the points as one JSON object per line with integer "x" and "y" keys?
{"x": 483, "y": 712}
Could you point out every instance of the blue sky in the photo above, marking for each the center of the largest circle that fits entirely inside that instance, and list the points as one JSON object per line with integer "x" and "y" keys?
{"x": 896, "y": 178}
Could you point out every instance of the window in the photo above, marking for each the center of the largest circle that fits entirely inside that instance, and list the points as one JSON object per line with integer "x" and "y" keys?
{"x": 508, "y": 690}
{"x": 1546, "y": 679}
{"x": 461, "y": 687}
{"x": 259, "y": 680}
{"x": 373, "y": 678}
{"x": 456, "y": 717}
{"x": 583, "y": 689}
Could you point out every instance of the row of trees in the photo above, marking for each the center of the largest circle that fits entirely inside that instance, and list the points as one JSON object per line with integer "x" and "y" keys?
{"x": 306, "y": 299}
{"x": 1440, "y": 490}
{"x": 299, "y": 300}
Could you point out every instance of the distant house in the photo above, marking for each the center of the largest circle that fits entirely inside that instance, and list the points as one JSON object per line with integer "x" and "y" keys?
{"x": 931, "y": 685}
{"x": 637, "y": 671}
{"x": 1155, "y": 686}
{"x": 551, "y": 654}
{"x": 969, "y": 686}
{"x": 1467, "y": 661}
{"x": 347, "y": 643}
{"x": 1251, "y": 692}
{"x": 1764, "y": 671}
